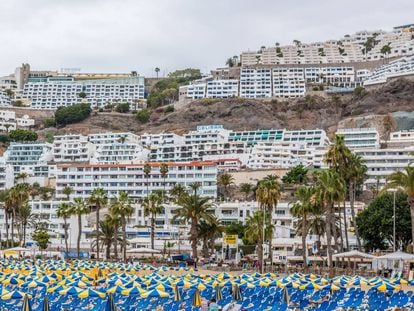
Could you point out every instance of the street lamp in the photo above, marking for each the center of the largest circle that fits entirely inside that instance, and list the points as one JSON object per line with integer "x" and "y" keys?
{"x": 394, "y": 191}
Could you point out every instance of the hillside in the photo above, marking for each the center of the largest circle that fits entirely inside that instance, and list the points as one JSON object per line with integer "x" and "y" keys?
{"x": 243, "y": 114}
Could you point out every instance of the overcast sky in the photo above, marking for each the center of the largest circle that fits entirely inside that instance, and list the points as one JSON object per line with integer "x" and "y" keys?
{"x": 125, "y": 35}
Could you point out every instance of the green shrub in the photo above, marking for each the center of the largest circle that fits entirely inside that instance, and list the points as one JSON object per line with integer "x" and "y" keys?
{"x": 49, "y": 122}
{"x": 22, "y": 135}
{"x": 143, "y": 115}
{"x": 72, "y": 114}
{"x": 122, "y": 108}
{"x": 17, "y": 103}
{"x": 169, "y": 109}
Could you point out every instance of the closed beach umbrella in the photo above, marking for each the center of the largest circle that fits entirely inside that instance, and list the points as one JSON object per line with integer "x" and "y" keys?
{"x": 177, "y": 294}
{"x": 46, "y": 304}
{"x": 196, "y": 299}
{"x": 236, "y": 292}
{"x": 218, "y": 294}
{"x": 110, "y": 304}
{"x": 285, "y": 296}
{"x": 26, "y": 304}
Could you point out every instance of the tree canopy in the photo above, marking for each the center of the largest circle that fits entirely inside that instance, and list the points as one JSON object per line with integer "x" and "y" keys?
{"x": 72, "y": 114}
{"x": 297, "y": 175}
{"x": 22, "y": 135}
{"x": 375, "y": 223}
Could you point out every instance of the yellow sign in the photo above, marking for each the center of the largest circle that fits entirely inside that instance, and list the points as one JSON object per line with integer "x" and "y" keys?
{"x": 230, "y": 239}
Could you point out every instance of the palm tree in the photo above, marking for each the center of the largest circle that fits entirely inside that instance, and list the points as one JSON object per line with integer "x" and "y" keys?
{"x": 302, "y": 210}
{"x": 21, "y": 176}
{"x": 164, "y": 173}
{"x": 67, "y": 191}
{"x": 157, "y": 71}
{"x": 317, "y": 223}
{"x": 16, "y": 197}
{"x": 254, "y": 232}
{"x": 25, "y": 217}
{"x": 79, "y": 208}
{"x": 115, "y": 221}
{"x": 195, "y": 186}
{"x": 225, "y": 180}
{"x": 109, "y": 234}
{"x": 176, "y": 192}
{"x": 147, "y": 172}
{"x": 330, "y": 188}
{"x": 208, "y": 232}
{"x": 152, "y": 206}
{"x": 123, "y": 208}
{"x": 99, "y": 199}
{"x": 247, "y": 189}
{"x": 64, "y": 212}
{"x": 404, "y": 180}
{"x": 355, "y": 175}
{"x": 194, "y": 209}
{"x": 268, "y": 194}
{"x": 338, "y": 158}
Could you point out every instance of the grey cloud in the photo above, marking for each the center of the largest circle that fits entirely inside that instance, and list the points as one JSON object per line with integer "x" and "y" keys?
{"x": 123, "y": 35}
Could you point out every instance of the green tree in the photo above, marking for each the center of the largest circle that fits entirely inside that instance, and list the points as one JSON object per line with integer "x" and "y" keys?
{"x": 67, "y": 190}
{"x": 338, "y": 158}
{"x": 123, "y": 208}
{"x": 375, "y": 222}
{"x": 404, "y": 180}
{"x": 147, "y": 173}
{"x": 99, "y": 199}
{"x": 114, "y": 221}
{"x": 42, "y": 237}
{"x": 72, "y": 114}
{"x": 21, "y": 135}
{"x": 247, "y": 189}
{"x": 208, "y": 232}
{"x": 330, "y": 189}
{"x": 255, "y": 234}
{"x": 355, "y": 175}
{"x": 225, "y": 180}
{"x": 268, "y": 194}
{"x": 109, "y": 234}
{"x": 122, "y": 107}
{"x": 82, "y": 95}
{"x": 79, "y": 208}
{"x": 152, "y": 206}
{"x": 25, "y": 217}
{"x": 297, "y": 175}
{"x": 194, "y": 208}
{"x": 302, "y": 210}
{"x": 177, "y": 192}
{"x": 164, "y": 173}
{"x": 64, "y": 211}
{"x": 143, "y": 115}
{"x": 235, "y": 228}
{"x": 157, "y": 71}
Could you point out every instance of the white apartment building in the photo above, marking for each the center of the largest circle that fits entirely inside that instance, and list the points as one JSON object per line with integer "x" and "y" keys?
{"x": 266, "y": 155}
{"x": 222, "y": 88}
{"x": 288, "y": 82}
{"x": 120, "y": 152}
{"x": 54, "y": 92}
{"x": 31, "y": 154}
{"x": 206, "y": 134}
{"x": 255, "y": 82}
{"x": 9, "y": 122}
{"x": 6, "y": 174}
{"x": 72, "y": 148}
{"x": 397, "y": 68}
{"x": 315, "y": 138}
{"x": 196, "y": 90}
{"x": 401, "y": 139}
{"x": 253, "y": 137}
{"x": 383, "y": 162}
{"x": 111, "y": 137}
{"x": 360, "y": 137}
{"x": 114, "y": 178}
{"x": 164, "y": 139}
{"x": 5, "y": 101}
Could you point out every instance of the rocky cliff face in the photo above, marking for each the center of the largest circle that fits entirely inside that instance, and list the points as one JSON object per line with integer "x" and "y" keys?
{"x": 242, "y": 114}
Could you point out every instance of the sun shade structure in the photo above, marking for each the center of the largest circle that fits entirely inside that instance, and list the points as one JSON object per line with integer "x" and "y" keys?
{"x": 354, "y": 254}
